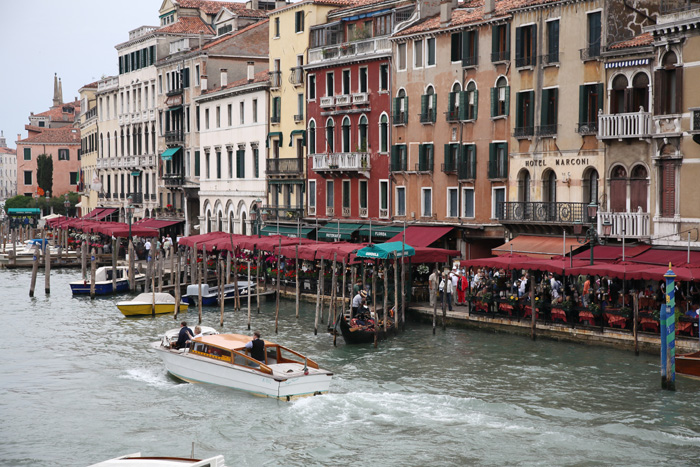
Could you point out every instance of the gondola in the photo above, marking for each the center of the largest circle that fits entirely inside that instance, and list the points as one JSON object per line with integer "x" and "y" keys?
{"x": 688, "y": 364}
{"x": 360, "y": 336}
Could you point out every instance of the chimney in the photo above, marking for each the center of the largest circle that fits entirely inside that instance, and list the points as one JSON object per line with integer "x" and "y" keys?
{"x": 56, "y": 98}
{"x": 489, "y": 7}
{"x": 224, "y": 77}
{"x": 428, "y": 8}
{"x": 251, "y": 71}
{"x": 445, "y": 12}
{"x": 280, "y": 3}
{"x": 203, "y": 82}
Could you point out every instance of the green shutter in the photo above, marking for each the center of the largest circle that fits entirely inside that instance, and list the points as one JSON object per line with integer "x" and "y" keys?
{"x": 518, "y": 43}
{"x": 504, "y": 162}
{"x": 507, "y": 45}
{"x": 494, "y": 102}
{"x": 534, "y": 45}
{"x": 463, "y": 105}
{"x": 448, "y": 159}
{"x": 196, "y": 163}
{"x": 519, "y": 110}
{"x": 405, "y": 108}
{"x": 394, "y": 158}
{"x": 555, "y": 94}
{"x": 421, "y": 157}
{"x": 466, "y": 42}
{"x": 451, "y": 98}
{"x": 431, "y": 157}
{"x": 424, "y": 107}
{"x": 476, "y": 104}
{"x": 256, "y": 163}
{"x": 472, "y": 159}
{"x": 507, "y": 101}
{"x": 186, "y": 78}
{"x": 545, "y": 107}
{"x": 600, "y": 88}
{"x": 153, "y": 54}
{"x": 476, "y": 47}
{"x": 531, "y": 110}
{"x": 494, "y": 42}
{"x": 396, "y": 109}
{"x": 492, "y": 160}
{"x": 454, "y": 51}
{"x": 434, "y": 108}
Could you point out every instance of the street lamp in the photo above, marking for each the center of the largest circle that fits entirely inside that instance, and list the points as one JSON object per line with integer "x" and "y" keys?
{"x": 592, "y": 236}
{"x": 66, "y": 203}
{"x": 48, "y": 200}
{"x": 257, "y": 212}
{"x": 129, "y": 213}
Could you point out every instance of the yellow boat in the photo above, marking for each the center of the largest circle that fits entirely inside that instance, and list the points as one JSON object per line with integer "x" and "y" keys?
{"x": 142, "y": 305}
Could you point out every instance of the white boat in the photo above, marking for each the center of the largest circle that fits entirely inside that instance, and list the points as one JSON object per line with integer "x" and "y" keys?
{"x": 103, "y": 281}
{"x": 210, "y": 295}
{"x": 221, "y": 359}
{"x": 137, "y": 460}
{"x": 24, "y": 256}
{"x": 143, "y": 304}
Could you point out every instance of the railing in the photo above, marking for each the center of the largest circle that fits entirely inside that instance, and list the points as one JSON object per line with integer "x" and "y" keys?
{"x": 501, "y": 56}
{"x": 174, "y": 92}
{"x": 343, "y": 99}
{"x": 275, "y": 79}
{"x": 452, "y": 115}
{"x": 469, "y": 61}
{"x": 100, "y": 195}
{"x": 175, "y": 179}
{"x": 547, "y": 130}
{"x": 521, "y": 62}
{"x": 424, "y": 166}
{"x": 274, "y": 118}
{"x": 627, "y": 125}
{"x": 545, "y": 212}
{"x": 633, "y": 224}
{"x": 92, "y": 113}
{"x": 400, "y": 165}
{"x": 592, "y": 52}
{"x": 346, "y": 211}
{"x": 282, "y": 212}
{"x": 360, "y": 98}
{"x": 466, "y": 172}
{"x": 107, "y": 83}
{"x": 448, "y": 167}
{"x": 135, "y": 117}
{"x": 330, "y": 211}
{"x": 587, "y": 128}
{"x": 363, "y": 212}
{"x": 311, "y": 210}
{"x": 290, "y": 166}
{"x": 428, "y": 116}
{"x": 341, "y": 162}
{"x": 296, "y": 76}
{"x": 667, "y": 124}
{"x": 400, "y": 118}
{"x": 675, "y": 6}
{"x": 298, "y": 117}
{"x": 136, "y": 198}
{"x": 695, "y": 121}
{"x": 350, "y": 49}
{"x": 174, "y": 137}
{"x": 327, "y": 101}
{"x": 523, "y": 132}
{"x": 550, "y": 58}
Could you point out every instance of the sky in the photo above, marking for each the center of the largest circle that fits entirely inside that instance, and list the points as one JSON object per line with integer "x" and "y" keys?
{"x": 73, "y": 38}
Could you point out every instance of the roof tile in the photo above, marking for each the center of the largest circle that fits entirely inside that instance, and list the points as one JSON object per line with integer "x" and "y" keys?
{"x": 636, "y": 41}
{"x": 211, "y": 7}
{"x": 65, "y": 135}
{"x": 188, "y": 25}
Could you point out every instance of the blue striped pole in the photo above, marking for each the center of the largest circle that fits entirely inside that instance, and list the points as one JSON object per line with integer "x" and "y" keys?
{"x": 668, "y": 326}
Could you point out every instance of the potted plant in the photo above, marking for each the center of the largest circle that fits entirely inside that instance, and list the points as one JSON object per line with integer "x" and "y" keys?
{"x": 594, "y": 308}
{"x": 626, "y": 312}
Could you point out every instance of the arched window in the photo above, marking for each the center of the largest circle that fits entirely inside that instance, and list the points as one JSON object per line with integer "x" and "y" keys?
{"x": 220, "y": 222}
{"x": 116, "y": 150}
{"x": 667, "y": 187}
{"x": 640, "y": 92}
{"x": 472, "y": 100}
{"x": 590, "y": 186}
{"x": 384, "y": 134}
{"x": 524, "y": 186}
{"x": 502, "y": 96}
{"x": 549, "y": 187}
{"x": 153, "y": 137}
{"x": 208, "y": 221}
{"x": 618, "y": 189}
{"x": 109, "y": 145}
{"x": 362, "y": 127}
{"x": 231, "y": 223}
{"x": 430, "y": 92}
{"x": 102, "y": 144}
{"x": 121, "y": 143}
{"x": 638, "y": 189}
{"x": 244, "y": 230}
{"x": 312, "y": 137}
{"x": 670, "y": 83}
{"x": 346, "y": 134}
{"x": 617, "y": 95}
{"x": 330, "y": 129}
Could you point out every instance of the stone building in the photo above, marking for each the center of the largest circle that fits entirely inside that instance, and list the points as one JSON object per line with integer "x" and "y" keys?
{"x": 8, "y": 170}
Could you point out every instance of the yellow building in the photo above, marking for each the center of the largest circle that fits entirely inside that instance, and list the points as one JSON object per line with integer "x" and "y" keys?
{"x": 89, "y": 146}
{"x": 286, "y": 168}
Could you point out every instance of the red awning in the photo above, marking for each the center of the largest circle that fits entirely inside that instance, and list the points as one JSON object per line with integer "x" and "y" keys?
{"x": 156, "y": 223}
{"x": 104, "y": 212}
{"x": 433, "y": 255}
{"x": 91, "y": 215}
{"x": 270, "y": 243}
{"x": 628, "y": 271}
{"x": 418, "y": 236}
{"x": 202, "y": 238}
{"x": 662, "y": 257}
{"x": 609, "y": 253}
{"x": 538, "y": 246}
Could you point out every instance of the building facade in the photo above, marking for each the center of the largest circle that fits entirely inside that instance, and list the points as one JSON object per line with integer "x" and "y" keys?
{"x": 8, "y": 170}
{"x": 89, "y": 146}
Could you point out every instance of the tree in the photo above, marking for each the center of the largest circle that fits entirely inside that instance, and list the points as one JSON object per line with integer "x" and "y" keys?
{"x": 19, "y": 202}
{"x": 44, "y": 172}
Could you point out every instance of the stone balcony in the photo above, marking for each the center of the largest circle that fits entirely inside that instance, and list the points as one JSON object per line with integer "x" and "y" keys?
{"x": 626, "y": 125}
{"x": 353, "y": 49}
{"x": 341, "y": 163}
{"x": 626, "y": 224}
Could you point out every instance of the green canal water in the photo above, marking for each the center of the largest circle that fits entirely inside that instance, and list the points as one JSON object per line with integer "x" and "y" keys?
{"x": 80, "y": 385}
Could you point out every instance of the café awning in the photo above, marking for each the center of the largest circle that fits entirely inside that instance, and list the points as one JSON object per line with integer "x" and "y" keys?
{"x": 421, "y": 236}
{"x": 289, "y": 231}
{"x": 380, "y": 231}
{"x": 538, "y": 246}
{"x": 169, "y": 153}
{"x": 334, "y": 231}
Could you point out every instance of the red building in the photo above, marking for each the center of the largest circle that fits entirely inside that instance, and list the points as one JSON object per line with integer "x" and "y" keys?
{"x": 348, "y": 117}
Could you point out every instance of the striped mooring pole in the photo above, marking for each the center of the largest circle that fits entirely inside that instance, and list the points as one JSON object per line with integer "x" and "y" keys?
{"x": 668, "y": 333}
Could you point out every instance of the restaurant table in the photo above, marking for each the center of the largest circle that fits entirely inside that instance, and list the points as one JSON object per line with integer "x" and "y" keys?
{"x": 649, "y": 324}
{"x": 558, "y": 313}
{"x": 615, "y": 320}
{"x": 587, "y": 317}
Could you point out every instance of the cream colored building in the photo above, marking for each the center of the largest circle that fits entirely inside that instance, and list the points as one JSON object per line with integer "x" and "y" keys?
{"x": 107, "y": 161}
{"x": 8, "y": 170}
{"x": 89, "y": 146}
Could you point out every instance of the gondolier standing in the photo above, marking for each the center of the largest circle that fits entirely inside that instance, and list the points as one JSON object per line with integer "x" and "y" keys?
{"x": 357, "y": 302}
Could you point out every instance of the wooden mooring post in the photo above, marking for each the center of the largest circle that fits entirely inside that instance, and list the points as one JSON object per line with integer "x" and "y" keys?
{"x": 35, "y": 270}
{"x": 249, "y": 293}
{"x": 93, "y": 270}
{"x": 318, "y": 297}
{"x": 47, "y": 270}
{"x": 277, "y": 304}
{"x": 177, "y": 285}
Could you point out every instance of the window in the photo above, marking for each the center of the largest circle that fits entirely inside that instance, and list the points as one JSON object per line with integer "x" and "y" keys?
{"x": 402, "y": 57}
{"x": 425, "y": 157}
{"x": 383, "y": 198}
{"x": 230, "y": 164}
{"x": 330, "y": 135}
{"x": 229, "y": 113}
{"x": 330, "y": 85}
{"x": 426, "y": 202}
{"x": 276, "y": 109}
{"x": 467, "y": 202}
{"x": 525, "y": 46}
{"x": 400, "y": 108}
{"x": 384, "y": 134}
{"x": 524, "y": 114}
{"x": 298, "y": 22}
{"x": 27, "y": 154}
{"x": 399, "y": 160}
{"x": 206, "y": 164}
{"x": 240, "y": 163}
{"x": 430, "y": 52}
{"x": 196, "y": 163}
{"x": 383, "y": 25}
{"x": 255, "y": 111}
{"x": 618, "y": 189}
{"x": 277, "y": 28}
{"x": 668, "y": 86}
{"x": 452, "y": 202}
{"x": 638, "y": 189}
{"x": 456, "y": 49}
{"x": 498, "y": 197}
{"x": 428, "y": 106}
{"x": 256, "y": 162}
{"x": 312, "y": 197}
{"x": 73, "y": 178}
{"x": 451, "y": 157}
{"x": 362, "y": 134}
{"x": 590, "y": 186}
{"x": 500, "y": 43}
{"x": 362, "y": 185}
{"x": 384, "y": 77}
{"x": 400, "y": 201}
{"x": 312, "y": 87}
{"x": 300, "y": 108}
{"x": 346, "y": 197}
{"x": 218, "y": 165}
{"x": 640, "y": 93}
{"x": 594, "y": 35}
{"x": 218, "y": 116}
{"x": 346, "y": 135}
{"x": 346, "y": 82}
{"x": 524, "y": 187}
{"x": 472, "y": 103}
{"x": 550, "y": 107}
{"x": 241, "y": 112}
{"x": 552, "y": 55}
{"x": 206, "y": 119}
{"x": 363, "y": 79}
{"x": 590, "y": 101}
{"x": 312, "y": 137}
{"x": 498, "y": 160}
{"x": 63, "y": 155}
{"x": 196, "y": 75}
{"x": 500, "y": 98}
{"x": 418, "y": 54}
{"x": 467, "y": 162}
{"x": 470, "y": 48}
{"x": 329, "y": 194}
{"x": 27, "y": 177}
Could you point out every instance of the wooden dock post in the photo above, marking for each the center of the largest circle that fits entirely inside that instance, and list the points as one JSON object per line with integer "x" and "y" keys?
{"x": 161, "y": 265}
{"x": 334, "y": 293}
{"x": 345, "y": 286}
{"x": 177, "y": 285}
{"x": 435, "y": 286}
{"x": 374, "y": 298}
{"x": 83, "y": 259}
{"x": 47, "y": 270}
{"x": 318, "y": 296}
{"x": 277, "y": 300}
{"x": 199, "y": 285}
{"x": 396, "y": 296}
{"x": 323, "y": 292}
{"x": 221, "y": 285}
{"x": 205, "y": 270}
{"x": 228, "y": 268}
{"x": 132, "y": 277}
{"x": 147, "y": 285}
{"x": 13, "y": 258}
{"x": 114, "y": 265}
{"x": 93, "y": 269}
{"x": 297, "y": 294}
{"x": 249, "y": 293}
{"x": 385, "y": 311}
{"x": 236, "y": 293}
{"x": 257, "y": 285}
{"x": 533, "y": 305}
{"x": 403, "y": 289}
{"x": 171, "y": 253}
{"x": 35, "y": 269}
{"x": 635, "y": 301}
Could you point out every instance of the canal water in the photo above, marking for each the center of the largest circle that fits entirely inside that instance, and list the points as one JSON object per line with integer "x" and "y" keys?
{"x": 80, "y": 385}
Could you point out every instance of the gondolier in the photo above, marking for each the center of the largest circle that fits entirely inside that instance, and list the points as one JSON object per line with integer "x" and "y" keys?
{"x": 357, "y": 302}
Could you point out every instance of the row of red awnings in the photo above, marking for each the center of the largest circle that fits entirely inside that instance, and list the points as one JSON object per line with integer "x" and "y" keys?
{"x": 98, "y": 214}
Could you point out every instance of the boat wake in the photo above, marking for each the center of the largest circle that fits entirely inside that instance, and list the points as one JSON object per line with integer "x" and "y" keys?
{"x": 154, "y": 378}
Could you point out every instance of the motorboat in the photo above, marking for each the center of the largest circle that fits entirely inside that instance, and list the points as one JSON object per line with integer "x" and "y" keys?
{"x": 149, "y": 304}
{"x": 24, "y": 254}
{"x": 210, "y": 295}
{"x": 688, "y": 364}
{"x": 103, "y": 281}
{"x": 137, "y": 460}
{"x": 222, "y": 360}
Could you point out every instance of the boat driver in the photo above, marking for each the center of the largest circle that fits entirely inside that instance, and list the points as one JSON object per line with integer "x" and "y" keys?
{"x": 257, "y": 347}
{"x": 183, "y": 336}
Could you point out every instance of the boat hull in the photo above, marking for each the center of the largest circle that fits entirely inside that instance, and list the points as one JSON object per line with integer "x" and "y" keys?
{"x": 101, "y": 288}
{"x": 195, "y": 369}
{"x": 688, "y": 364}
{"x": 144, "y": 309}
{"x": 358, "y": 336}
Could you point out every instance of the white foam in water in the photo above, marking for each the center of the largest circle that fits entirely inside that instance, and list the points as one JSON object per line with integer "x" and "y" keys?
{"x": 150, "y": 377}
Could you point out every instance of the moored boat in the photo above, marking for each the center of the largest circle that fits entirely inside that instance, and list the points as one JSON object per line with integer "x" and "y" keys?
{"x": 688, "y": 364}
{"x": 143, "y": 304}
{"x": 222, "y": 360}
{"x": 24, "y": 254}
{"x": 210, "y": 295}
{"x": 137, "y": 460}
{"x": 361, "y": 332}
{"x": 103, "y": 281}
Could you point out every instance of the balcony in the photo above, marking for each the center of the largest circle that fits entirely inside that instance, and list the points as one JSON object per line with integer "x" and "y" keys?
{"x": 330, "y": 211}
{"x": 466, "y": 171}
{"x": 667, "y": 126}
{"x": 311, "y": 210}
{"x": 400, "y": 118}
{"x": 299, "y": 118}
{"x": 363, "y": 212}
{"x": 346, "y": 211}
{"x": 592, "y": 52}
{"x": 274, "y": 119}
{"x": 174, "y": 92}
{"x": 547, "y": 130}
{"x": 428, "y": 116}
{"x": 502, "y": 56}
{"x": 627, "y": 125}
{"x": 543, "y": 212}
{"x": 90, "y": 114}
{"x": 136, "y": 198}
{"x": 275, "y": 79}
{"x": 343, "y": 162}
{"x": 360, "y": 98}
{"x": 343, "y": 99}
{"x": 523, "y": 132}
{"x": 282, "y": 167}
{"x": 383, "y": 213}
{"x": 173, "y": 180}
{"x": 174, "y": 137}
{"x": 522, "y": 62}
{"x": 587, "y": 128}
{"x": 449, "y": 168}
{"x": 327, "y": 101}
{"x": 629, "y": 224}
{"x": 353, "y": 49}
{"x": 296, "y": 77}
{"x": 551, "y": 58}
{"x": 452, "y": 115}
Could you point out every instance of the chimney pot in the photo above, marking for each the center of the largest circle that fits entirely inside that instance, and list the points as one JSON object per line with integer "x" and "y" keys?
{"x": 203, "y": 81}
{"x": 224, "y": 77}
{"x": 251, "y": 71}
{"x": 489, "y": 7}
{"x": 445, "y": 12}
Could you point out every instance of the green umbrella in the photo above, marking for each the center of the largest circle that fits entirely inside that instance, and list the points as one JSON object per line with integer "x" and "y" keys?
{"x": 386, "y": 250}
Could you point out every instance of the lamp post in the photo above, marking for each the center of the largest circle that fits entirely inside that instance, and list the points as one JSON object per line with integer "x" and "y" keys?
{"x": 47, "y": 196}
{"x": 129, "y": 213}
{"x": 66, "y": 203}
{"x": 592, "y": 236}
{"x": 257, "y": 212}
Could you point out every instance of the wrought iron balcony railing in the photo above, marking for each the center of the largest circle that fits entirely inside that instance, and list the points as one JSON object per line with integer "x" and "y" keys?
{"x": 341, "y": 162}
{"x": 174, "y": 137}
{"x": 291, "y": 166}
{"x": 523, "y": 132}
{"x": 543, "y": 212}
